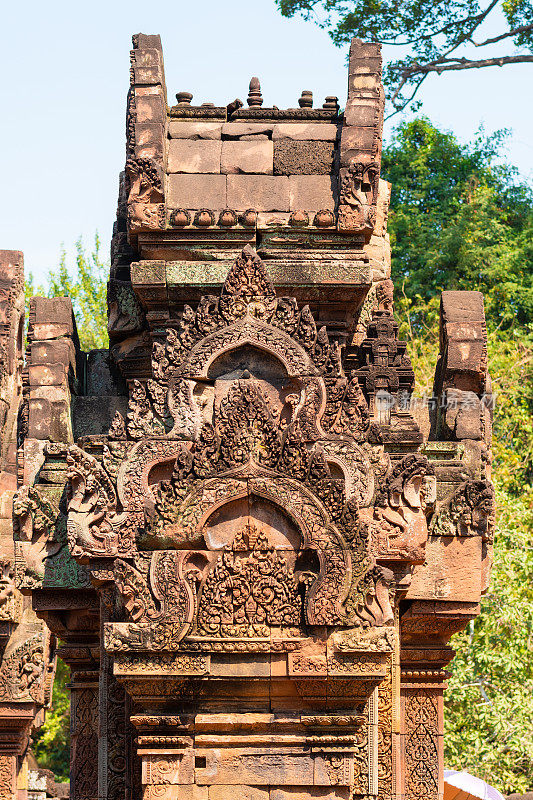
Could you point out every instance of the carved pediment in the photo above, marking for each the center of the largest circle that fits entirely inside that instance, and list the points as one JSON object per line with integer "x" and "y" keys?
{"x": 249, "y": 417}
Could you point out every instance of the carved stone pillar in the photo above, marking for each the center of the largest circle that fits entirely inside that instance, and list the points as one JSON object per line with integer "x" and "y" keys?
{"x": 84, "y": 735}
{"x": 113, "y": 750}
{"x": 78, "y": 630}
{"x": 253, "y": 548}
{"x": 8, "y": 775}
{"x": 26, "y": 647}
{"x": 422, "y": 734}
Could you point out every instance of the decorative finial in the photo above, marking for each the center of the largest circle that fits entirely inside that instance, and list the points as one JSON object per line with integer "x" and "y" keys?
{"x": 255, "y": 98}
{"x": 331, "y": 103}
{"x": 306, "y": 100}
{"x": 184, "y": 98}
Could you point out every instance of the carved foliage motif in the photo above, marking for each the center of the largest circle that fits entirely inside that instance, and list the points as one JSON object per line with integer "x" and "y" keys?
{"x": 421, "y": 747}
{"x": 312, "y": 452}
{"x": 36, "y": 536}
{"x": 7, "y": 777}
{"x": 22, "y": 672}
{"x": 359, "y": 184}
{"x": 145, "y": 198}
{"x": 116, "y": 739}
{"x": 156, "y": 587}
{"x": 84, "y": 743}
{"x": 9, "y": 600}
{"x": 93, "y": 523}
{"x": 249, "y": 589}
{"x": 399, "y": 518}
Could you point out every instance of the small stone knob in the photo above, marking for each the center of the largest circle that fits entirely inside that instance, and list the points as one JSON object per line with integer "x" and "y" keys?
{"x": 306, "y": 100}
{"x": 331, "y": 103}
{"x": 180, "y": 218}
{"x": 184, "y": 98}
{"x": 255, "y": 98}
{"x": 249, "y": 218}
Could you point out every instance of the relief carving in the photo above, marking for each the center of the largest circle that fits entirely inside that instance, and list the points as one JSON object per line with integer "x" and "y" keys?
{"x": 358, "y": 186}
{"x": 468, "y": 512}
{"x": 249, "y": 590}
{"x": 146, "y": 208}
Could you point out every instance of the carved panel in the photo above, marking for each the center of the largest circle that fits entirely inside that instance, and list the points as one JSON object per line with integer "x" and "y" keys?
{"x": 84, "y": 743}
{"x": 421, "y": 743}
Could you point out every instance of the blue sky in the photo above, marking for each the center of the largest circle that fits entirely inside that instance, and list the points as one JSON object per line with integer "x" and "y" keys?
{"x": 65, "y": 70}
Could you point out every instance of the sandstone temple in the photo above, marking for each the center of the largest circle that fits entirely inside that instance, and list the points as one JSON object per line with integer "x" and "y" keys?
{"x": 248, "y": 544}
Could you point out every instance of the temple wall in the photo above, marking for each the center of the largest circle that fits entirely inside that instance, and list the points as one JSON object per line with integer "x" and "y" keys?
{"x": 253, "y": 549}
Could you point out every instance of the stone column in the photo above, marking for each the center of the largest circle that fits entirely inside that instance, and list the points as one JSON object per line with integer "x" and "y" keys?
{"x": 422, "y": 733}
{"x": 8, "y": 775}
{"x": 112, "y": 715}
{"x": 84, "y": 736}
{"x": 78, "y": 630}
{"x": 81, "y": 656}
{"x": 26, "y": 663}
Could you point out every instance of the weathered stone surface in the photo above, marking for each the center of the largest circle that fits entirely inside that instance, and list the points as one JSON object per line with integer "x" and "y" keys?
{"x": 186, "y": 155}
{"x": 314, "y": 793}
{"x": 93, "y": 416}
{"x": 54, "y": 351}
{"x": 238, "y": 130}
{"x": 305, "y": 131}
{"x": 361, "y": 113}
{"x": 259, "y": 769}
{"x": 303, "y": 158}
{"x": 312, "y": 192}
{"x": 102, "y": 377}
{"x": 150, "y": 108}
{"x": 180, "y": 129}
{"x": 53, "y": 318}
{"x": 452, "y": 571}
{"x": 197, "y": 191}
{"x": 247, "y": 157}
{"x": 221, "y": 792}
{"x": 263, "y": 193}
{"x": 358, "y": 139}
{"x": 149, "y": 140}
{"x": 462, "y": 415}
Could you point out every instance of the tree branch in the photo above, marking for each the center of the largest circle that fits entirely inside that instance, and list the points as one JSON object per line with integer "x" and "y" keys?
{"x": 520, "y": 29}
{"x": 401, "y": 106}
{"x": 446, "y": 64}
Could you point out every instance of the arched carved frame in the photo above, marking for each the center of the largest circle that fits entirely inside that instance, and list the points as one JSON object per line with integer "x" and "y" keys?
{"x": 328, "y": 592}
{"x": 253, "y": 332}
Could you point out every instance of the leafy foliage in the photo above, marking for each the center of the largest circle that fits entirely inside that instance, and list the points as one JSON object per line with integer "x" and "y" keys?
{"x": 51, "y": 742}
{"x": 460, "y": 220}
{"x": 87, "y": 291}
{"x": 432, "y": 35}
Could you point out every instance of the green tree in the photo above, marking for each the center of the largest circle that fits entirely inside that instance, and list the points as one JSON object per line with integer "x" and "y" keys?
{"x": 87, "y": 290}
{"x": 460, "y": 220}
{"x": 433, "y": 37}
{"x": 51, "y": 742}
